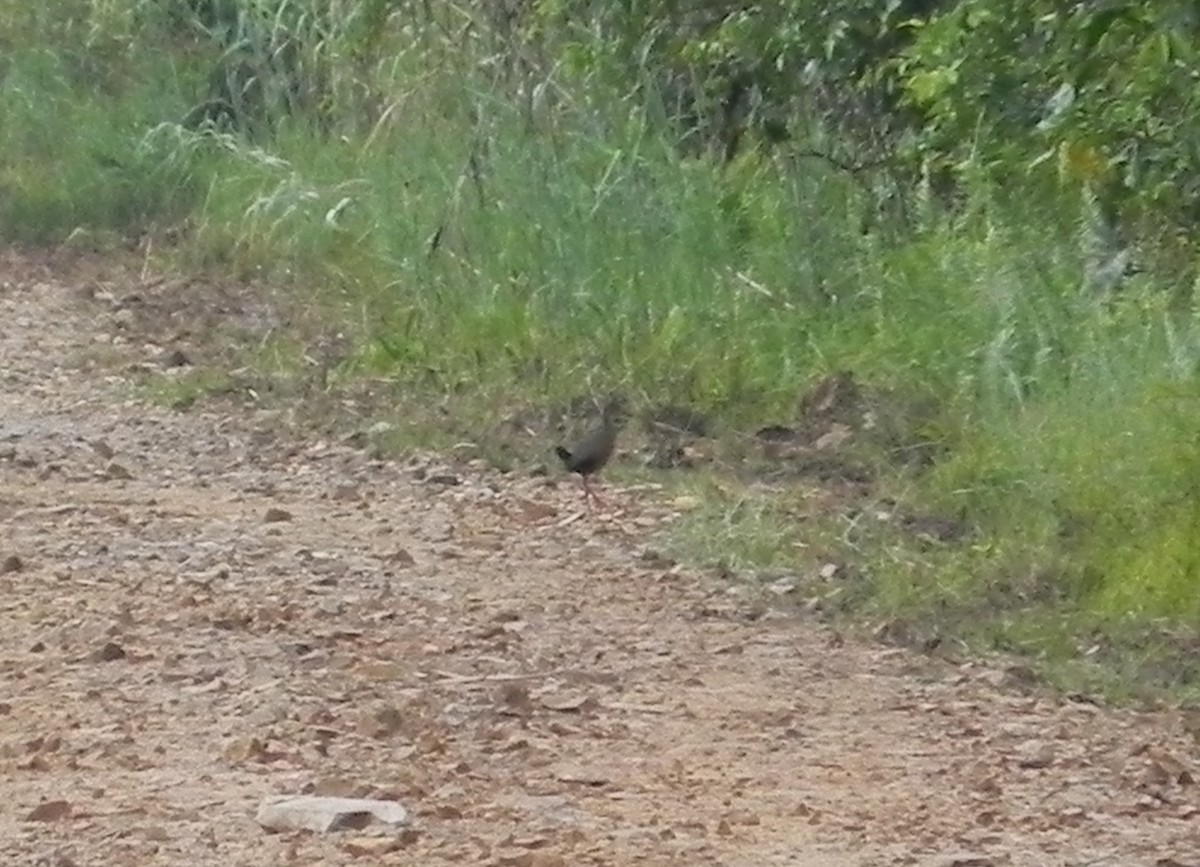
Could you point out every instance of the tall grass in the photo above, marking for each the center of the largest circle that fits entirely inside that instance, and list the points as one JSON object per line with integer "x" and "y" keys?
{"x": 541, "y": 237}
{"x": 76, "y": 104}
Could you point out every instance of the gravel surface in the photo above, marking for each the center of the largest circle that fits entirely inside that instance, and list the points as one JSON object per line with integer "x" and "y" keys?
{"x": 199, "y": 613}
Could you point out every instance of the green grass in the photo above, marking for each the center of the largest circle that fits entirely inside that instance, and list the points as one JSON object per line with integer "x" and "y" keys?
{"x": 589, "y": 255}
{"x": 73, "y": 137}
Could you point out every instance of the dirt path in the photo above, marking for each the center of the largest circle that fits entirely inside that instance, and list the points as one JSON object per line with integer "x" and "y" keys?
{"x": 536, "y": 694}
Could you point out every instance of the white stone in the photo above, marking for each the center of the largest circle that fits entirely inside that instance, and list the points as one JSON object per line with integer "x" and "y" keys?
{"x": 324, "y": 814}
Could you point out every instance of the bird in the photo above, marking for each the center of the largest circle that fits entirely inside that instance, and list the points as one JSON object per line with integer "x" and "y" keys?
{"x": 589, "y": 455}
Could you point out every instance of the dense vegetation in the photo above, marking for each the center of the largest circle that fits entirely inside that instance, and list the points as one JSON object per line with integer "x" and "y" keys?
{"x": 987, "y": 212}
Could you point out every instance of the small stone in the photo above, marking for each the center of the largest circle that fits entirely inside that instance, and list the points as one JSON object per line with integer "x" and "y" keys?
{"x": 11, "y": 563}
{"x": 326, "y": 814}
{"x": 447, "y": 812}
{"x": 446, "y": 479}
{"x": 275, "y": 515}
{"x": 401, "y": 557}
{"x": 345, "y": 493}
{"x": 653, "y": 559}
{"x": 381, "y": 721}
{"x": 49, "y": 811}
{"x": 110, "y": 652}
{"x": 782, "y": 586}
{"x": 570, "y": 702}
{"x": 582, "y": 775}
{"x": 513, "y": 700}
{"x": 117, "y": 472}
{"x": 175, "y": 358}
{"x": 1035, "y": 756}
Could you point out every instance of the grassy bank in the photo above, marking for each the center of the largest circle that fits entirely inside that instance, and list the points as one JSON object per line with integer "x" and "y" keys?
{"x": 490, "y": 252}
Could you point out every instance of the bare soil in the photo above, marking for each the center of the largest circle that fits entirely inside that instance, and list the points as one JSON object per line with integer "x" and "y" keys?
{"x": 199, "y": 610}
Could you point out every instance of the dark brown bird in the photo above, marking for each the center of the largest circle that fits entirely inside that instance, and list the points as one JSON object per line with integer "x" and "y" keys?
{"x": 589, "y": 455}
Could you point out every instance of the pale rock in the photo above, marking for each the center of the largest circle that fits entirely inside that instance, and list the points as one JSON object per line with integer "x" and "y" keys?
{"x": 325, "y": 814}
